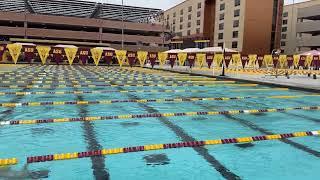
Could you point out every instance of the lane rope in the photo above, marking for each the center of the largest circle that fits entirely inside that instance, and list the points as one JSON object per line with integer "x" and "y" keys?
{"x": 153, "y": 115}
{"x": 8, "y": 162}
{"x": 152, "y": 147}
{"x": 59, "y": 103}
{"x": 123, "y": 85}
{"x": 127, "y": 91}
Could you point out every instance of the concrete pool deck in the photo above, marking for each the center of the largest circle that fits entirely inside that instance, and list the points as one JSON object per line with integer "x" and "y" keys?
{"x": 297, "y": 82}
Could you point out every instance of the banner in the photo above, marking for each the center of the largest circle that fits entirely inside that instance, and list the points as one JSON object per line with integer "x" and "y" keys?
{"x": 200, "y": 59}
{"x": 309, "y": 60}
{"x": 142, "y": 57}
{"x": 289, "y": 61}
{"x": 71, "y": 53}
{"x": 57, "y": 54}
{"x": 162, "y": 58}
{"x": 131, "y": 58}
{"x": 282, "y": 60}
{"x": 244, "y": 60}
{"x": 121, "y": 56}
{"x": 268, "y": 60}
{"x": 227, "y": 59}
{"x": 172, "y": 59}
{"x": 316, "y": 61}
{"x": 252, "y": 60}
{"x": 236, "y": 58}
{"x": 182, "y": 58}
{"x": 296, "y": 59}
{"x": 191, "y": 59}
{"x": 96, "y": 54}
{"x": 152, "y": 58}
{"x": 29, "y": 53}
{"x": 260, "y": 59}
{"x": 218, "y": 58}
{"x": 83, "y": 55}
{"x": 14, "y": 50}
{"x": 209, "y": 59}
{"x": 302, "y": 60}
{"x": 275, "y": 61}
{"x": 43, "y": 52}
{"x": 2, "y": 49}
{"x": 108, "y": 55}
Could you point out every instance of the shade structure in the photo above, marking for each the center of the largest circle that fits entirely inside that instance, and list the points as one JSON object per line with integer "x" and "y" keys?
{"x": 312, "y": 52}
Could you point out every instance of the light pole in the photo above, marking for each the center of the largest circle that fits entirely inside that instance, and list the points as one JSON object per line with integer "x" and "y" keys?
{"x": 122, "y": 29}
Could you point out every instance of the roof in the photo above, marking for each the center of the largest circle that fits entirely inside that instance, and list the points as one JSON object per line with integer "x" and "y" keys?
{"x": 82, "y": 9}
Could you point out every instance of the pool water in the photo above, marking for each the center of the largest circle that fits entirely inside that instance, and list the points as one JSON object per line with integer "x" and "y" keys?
{"x": 296, "y": 158}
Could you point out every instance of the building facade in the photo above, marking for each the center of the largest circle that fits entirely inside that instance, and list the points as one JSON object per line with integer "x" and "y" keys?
{"x": 236, "y": 24}
{"x": 80, "y": 23}
{"x": 301, "y": 27}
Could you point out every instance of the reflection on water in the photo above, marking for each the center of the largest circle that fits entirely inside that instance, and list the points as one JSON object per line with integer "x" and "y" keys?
{"x": 156, "y": 159}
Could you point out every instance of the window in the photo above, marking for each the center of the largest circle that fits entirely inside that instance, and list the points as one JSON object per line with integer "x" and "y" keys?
{"x": 284, "y": 29}
{"x": 188, "y": 32}
{"x": 181, "y": 12}
{"x": 283, "y": 43}
{"x": 198, "y": 22}
{"x": 190, "y": 9}
{"x": 236, "y": 23}
{"x": 220, "y": 36}
{"x": 198, "y": 13}
{"x": 174, "y": 14}
{"x": 198, "y": 30}
{"x": 189, "y": 24}
{"x": 221, "y": 26}
{"x": 189, "y": 17}
{"x": 236, "y": 13}
{"x": 283, "y": 36}
{"x": 235, "y": 34}
{"x": 221, "y": 16}
{"x": 199, "y": 5}
{"x": 220, "y": 45}
{"x": 174, "y": 21}
{"x": 174, "y": 29}
{"x": 222, "y": 7}
{"x": 168, "y": 16}
{"x": 285, "y": 14}
{"x": 181, "y": 19}
{"x": 284, "y": 22}
{"x": 234, "y": 44}
{"x": 181, "y": 26}
{"x": 236, "y": 2}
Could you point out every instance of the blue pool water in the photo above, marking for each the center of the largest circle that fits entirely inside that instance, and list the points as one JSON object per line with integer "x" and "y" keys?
{"x": 296, "y": 158}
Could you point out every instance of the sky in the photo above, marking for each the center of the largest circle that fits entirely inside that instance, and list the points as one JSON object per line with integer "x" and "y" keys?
{"x": 161, "y": 4}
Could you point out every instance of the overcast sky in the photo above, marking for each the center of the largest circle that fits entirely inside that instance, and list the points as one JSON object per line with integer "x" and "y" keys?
{"x": 162, "y": 4}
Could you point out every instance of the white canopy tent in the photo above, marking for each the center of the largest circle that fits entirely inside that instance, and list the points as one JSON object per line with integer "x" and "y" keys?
{"x": 65, "y": 46}
{"x": 107, "y": 48}
{"x": 26, "y": 44}
{"x": 174, "y": 51}
{"x": 191, "y": 50}
{"x": 312, "y": 52}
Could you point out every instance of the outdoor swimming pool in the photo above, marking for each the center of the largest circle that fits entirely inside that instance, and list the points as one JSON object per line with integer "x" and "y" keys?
{"x": 293, "y": 158}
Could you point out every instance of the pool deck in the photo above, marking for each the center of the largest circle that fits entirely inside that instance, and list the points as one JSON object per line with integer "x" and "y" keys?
{"x": 297, "y": 82}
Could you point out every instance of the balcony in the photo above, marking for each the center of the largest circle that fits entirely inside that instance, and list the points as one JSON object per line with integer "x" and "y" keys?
{"x": 313, "y": 41}
{"x": 308, "y": 27}
{"x": 312, "y": 12}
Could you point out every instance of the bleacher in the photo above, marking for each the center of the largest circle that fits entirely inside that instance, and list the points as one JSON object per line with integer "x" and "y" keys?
{"x": 63, "y": 8}
{"x": 80, "y": 8}
{"x": 12, "y": 5}
{"x": 112, "y": 11}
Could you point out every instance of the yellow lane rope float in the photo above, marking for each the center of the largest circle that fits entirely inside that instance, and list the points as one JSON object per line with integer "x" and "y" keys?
{"x": 60, "y": 103}
{"x": 154, "y": 115}
{"x": 9, "y": 161}
{"x": 152, "y": 147}
{"x": 129, "y": 91}
{"x": 122, "y": 85}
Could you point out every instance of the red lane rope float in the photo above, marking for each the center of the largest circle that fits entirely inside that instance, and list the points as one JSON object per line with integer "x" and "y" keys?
{"x": 60, "y": 103}
{"x": 103, "y": 152}
{"x": 154, "y": 115}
